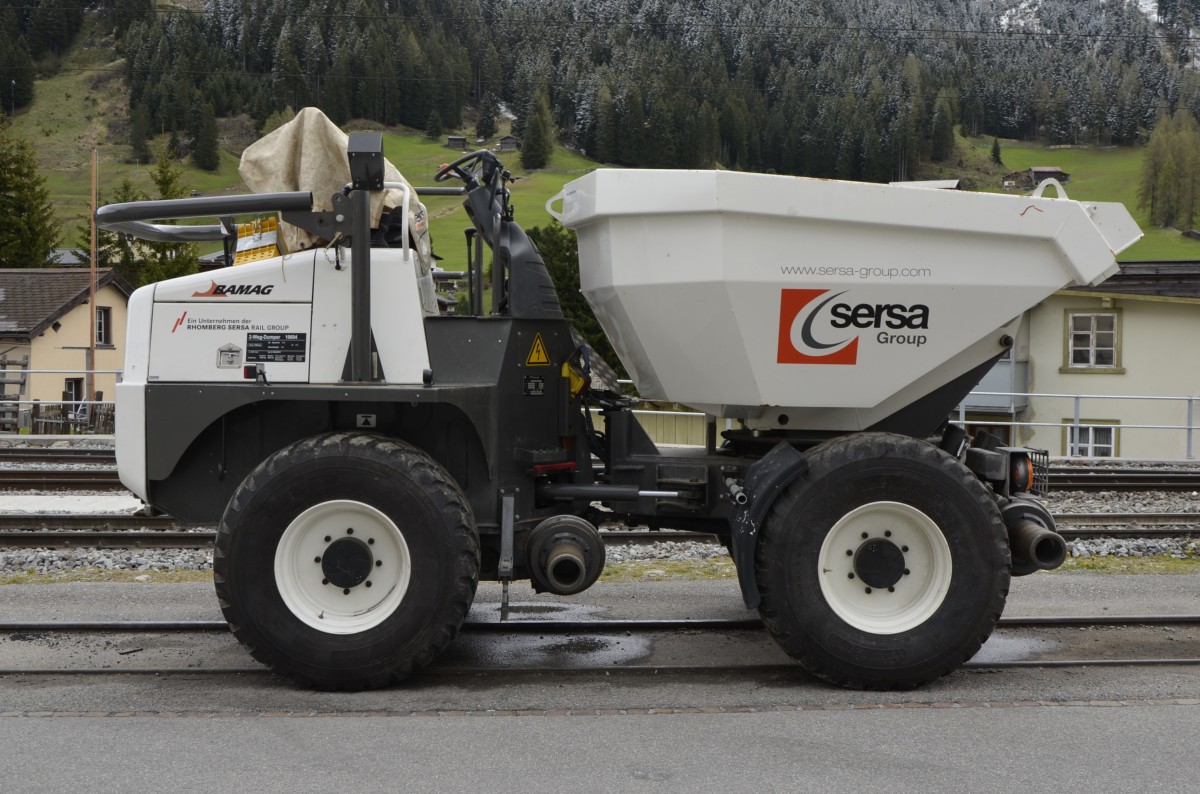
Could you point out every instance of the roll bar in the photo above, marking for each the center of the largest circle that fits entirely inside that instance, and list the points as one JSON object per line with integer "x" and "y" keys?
{"x": 134, "y": 217}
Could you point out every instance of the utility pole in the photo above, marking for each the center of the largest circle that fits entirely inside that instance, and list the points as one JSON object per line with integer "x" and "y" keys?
{"x": 90, "y": 386}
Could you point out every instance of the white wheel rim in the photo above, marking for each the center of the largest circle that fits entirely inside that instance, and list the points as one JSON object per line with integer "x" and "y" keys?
{"x": 919, "y": 590}
{"x": 303, "y": 582}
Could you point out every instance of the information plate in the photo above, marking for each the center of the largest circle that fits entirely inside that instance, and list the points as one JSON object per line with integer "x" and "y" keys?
{"x": 275, "y": 347}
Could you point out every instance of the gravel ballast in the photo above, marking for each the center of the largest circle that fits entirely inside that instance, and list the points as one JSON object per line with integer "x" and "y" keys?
{"x": 52, "y": 561}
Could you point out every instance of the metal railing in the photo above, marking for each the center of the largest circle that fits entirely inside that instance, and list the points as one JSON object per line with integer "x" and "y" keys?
{"x": 1077, "y": 423}
{"x": 57, "y": 417}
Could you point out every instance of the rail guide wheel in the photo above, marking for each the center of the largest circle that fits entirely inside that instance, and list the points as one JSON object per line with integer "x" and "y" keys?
{"x": 346, "y": 560}
{"x": 886, "y": 566}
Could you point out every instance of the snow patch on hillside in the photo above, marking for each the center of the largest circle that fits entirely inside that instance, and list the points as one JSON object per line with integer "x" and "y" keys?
{"x": 1023, "y": 16}
{"x": 1149, "y": 8}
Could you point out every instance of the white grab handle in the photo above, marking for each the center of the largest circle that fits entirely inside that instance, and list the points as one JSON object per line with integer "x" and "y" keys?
{"x": 550, "y": 210}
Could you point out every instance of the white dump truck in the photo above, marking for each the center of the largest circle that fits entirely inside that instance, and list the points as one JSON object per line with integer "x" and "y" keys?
{"x": 370, "y": 460}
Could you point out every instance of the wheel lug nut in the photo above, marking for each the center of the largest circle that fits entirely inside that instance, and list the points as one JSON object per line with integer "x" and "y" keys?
{"x": 346, "y": 591}
{"x": 379, "y": 563}
{"x": 368, "y": 583}
{"x": 324, "y": 581}
{"x": 904, "y": 548}
{"x": 849, "y": 553}
{"x": 865, "y": 536}
{"x": 850, "y": 575}
{"x": 891, "y": 589}
{"x": 370, "y": 541}
{"x": 868, "y": 591}
{"x": 907, "y": 572}
{"x": 316, "y": 559}
{"x": 327, "y": 538}
{"x": 350, "y": 531}
{"x": 887, "y": 533}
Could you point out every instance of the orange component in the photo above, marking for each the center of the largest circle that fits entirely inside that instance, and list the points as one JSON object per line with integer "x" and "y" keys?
{"x": 1021, "y": 476}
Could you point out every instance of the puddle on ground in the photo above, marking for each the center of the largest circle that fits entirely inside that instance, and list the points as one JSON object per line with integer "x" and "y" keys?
{"x": 1013, "y": 649}
{"x": 489, "y": 612}
{"x": 579, "y": 649}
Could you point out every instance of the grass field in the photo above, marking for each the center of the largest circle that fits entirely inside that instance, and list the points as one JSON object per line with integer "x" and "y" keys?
{"x": 1109, "y": 174}
{"x": 76, "y": 111}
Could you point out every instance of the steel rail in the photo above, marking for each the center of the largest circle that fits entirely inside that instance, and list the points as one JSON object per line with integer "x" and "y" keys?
{"x": 606, "y": 670}
{"x": 110, "y": 535}
{"x": 61, "y": 479}
{"x": 577, "y": 626}
{"x": 102, "y": 455}
{"x": 107, "y": 479}
{"x": 122, "y": 532}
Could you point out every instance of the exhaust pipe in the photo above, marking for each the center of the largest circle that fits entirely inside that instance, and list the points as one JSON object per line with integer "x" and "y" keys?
{"x": 1036, "y": 545}
{"x": 565, "y": 555}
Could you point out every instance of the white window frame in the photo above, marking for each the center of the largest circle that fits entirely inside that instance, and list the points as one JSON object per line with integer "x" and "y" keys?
{"x": 104, "y": 325}
{"x": 1087, "y": 445}
{"x": 1094, "y": 341}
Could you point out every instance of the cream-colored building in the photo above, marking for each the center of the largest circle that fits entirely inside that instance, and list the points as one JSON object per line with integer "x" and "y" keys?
{"x": 45, "y": 335}
{"x": 1123, "y": 359}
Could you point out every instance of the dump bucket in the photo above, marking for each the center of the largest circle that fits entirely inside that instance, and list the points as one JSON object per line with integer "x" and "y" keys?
{"x": 829, "y": 304}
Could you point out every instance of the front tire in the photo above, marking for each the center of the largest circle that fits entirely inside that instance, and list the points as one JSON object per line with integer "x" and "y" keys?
{"x": 886, "y": 566}
{"x": 347, "y": 560}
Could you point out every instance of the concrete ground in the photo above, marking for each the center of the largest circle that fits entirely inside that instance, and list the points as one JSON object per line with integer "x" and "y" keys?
{"x": 469, "y": 723}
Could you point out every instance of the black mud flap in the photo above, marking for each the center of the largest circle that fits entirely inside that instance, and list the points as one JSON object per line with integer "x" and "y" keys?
{"x": 765, "y": 480}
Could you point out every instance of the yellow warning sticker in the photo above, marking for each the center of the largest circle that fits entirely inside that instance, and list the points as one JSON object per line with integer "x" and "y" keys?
{"x": 538, "y": 357}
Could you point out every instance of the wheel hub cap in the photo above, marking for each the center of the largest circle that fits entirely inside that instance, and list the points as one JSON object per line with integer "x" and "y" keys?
{"x": 347, "y": 562}
{"x": 879, "y": 563}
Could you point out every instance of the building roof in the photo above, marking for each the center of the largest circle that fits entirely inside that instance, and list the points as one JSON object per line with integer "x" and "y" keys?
{"x": 940, "y": 184}
{"x": 1159, "y": 279}
{"x": 33, "y": 298}
{"x": 66, "y": 257}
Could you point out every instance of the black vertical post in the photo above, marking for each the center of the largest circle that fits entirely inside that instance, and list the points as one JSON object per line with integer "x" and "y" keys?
{"x": 360, "y": 287}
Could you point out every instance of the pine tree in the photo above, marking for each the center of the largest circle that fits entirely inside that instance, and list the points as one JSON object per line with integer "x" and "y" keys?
{"x": 206, "y": 152}
{"x": 433, "y": 126}
{"x": 277, "y": 119}
{"x": 486, "y": 126}
{"x": 29, "y": 232}
{"x": 560, "y": 252}
{"x": 941, "y": 144}
{"x": 168, "y": 260}
{"x": 113, "y": 250}
{"x": 538, "y": 143}
{"x": 996, "y": 152}
{"x": 16, "y": 67}
{"x": 1170, "y": 181}
{"x": 140, "y": 131}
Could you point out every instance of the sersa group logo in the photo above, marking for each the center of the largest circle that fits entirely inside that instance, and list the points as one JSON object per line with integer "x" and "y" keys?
{"x": 798, "y": 313}
{"x": 221, "y": 290}
{"x": 813, "y": 323}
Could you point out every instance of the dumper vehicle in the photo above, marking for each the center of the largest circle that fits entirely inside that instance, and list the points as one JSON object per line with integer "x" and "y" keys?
{"x": 369, "y": 459}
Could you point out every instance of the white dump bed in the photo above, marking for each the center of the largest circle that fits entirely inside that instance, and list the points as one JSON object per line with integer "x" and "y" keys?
{"x": 818, "y": 303}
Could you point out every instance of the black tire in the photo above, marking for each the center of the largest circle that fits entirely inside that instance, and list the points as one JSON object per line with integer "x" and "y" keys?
{"x": 416, "y": 537}
{"x": 852, "y": 612}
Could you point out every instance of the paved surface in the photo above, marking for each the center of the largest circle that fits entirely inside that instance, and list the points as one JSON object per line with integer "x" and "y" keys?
{"x": 985, "y": 729}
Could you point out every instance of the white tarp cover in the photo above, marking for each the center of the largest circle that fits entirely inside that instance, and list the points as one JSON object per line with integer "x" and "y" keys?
{"x": 309, "y": 153}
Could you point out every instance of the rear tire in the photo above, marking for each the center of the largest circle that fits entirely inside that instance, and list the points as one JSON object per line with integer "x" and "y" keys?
{"x": 345, "y": 561}
{"x": 886, "y": 566}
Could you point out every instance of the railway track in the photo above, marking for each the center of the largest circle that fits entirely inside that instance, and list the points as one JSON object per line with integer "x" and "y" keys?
{"x": 106, "y": 531}
{"x": 1020, "y": 626}
{"x": 1062, "y": 477}
{"x": 97, "y": 479}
